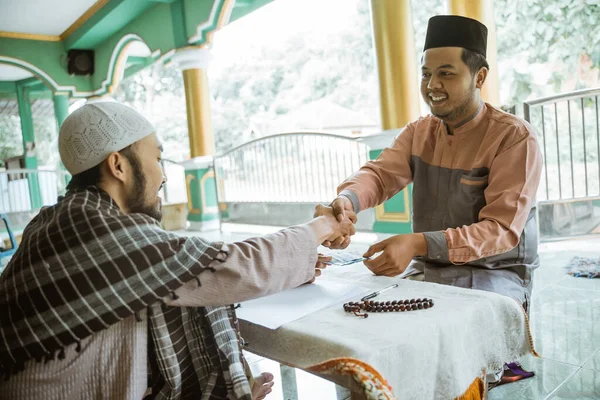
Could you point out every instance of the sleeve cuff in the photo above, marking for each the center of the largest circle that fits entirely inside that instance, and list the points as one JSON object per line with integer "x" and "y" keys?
{"x": 437, "y": 246}
{"x": 311, "y": 249}
{"x": 350, "y": 195}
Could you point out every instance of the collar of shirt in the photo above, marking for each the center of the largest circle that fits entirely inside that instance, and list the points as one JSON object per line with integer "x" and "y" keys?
{"x": 468, "y": 123}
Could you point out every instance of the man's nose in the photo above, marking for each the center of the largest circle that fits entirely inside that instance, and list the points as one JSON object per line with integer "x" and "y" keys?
{"x": 164, "y": 172}
{"x": 434, "y": 83}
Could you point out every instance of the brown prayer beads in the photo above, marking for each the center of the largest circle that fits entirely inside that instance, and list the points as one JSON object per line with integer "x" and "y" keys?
{"x": 386, "y": 306}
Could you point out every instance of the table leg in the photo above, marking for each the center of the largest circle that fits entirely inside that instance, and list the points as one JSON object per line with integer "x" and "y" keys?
{"x": 485, "y": 385}
{"x": 288, "y": 382}
{"x": 341, "y": 393}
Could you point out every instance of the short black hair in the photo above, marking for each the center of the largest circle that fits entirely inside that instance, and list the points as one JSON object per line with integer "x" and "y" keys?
{"x": 91, "y": 177}
{"x": 474, "y": 61}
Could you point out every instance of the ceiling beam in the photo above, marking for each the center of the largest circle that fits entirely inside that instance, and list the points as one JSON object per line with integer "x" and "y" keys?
{"x": 33, "y": 84}
{"x": 136, "y": 64}
{"x": 28, "y": 82}
{"x": 8, "y": 87}
{"x": 90, "y": 12}
{"x": 105, "y": 22}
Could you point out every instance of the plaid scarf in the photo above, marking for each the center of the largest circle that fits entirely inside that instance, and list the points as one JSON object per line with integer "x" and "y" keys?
{"x": 84, "y": 265}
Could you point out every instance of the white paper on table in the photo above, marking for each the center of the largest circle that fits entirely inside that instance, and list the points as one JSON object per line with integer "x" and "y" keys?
{"x": 278, "y": 309}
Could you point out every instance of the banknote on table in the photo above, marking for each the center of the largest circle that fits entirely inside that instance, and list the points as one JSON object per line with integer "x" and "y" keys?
{"x": 345, "y": 257}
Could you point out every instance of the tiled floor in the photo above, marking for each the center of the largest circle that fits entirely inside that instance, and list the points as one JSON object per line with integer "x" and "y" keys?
{"x": 565, "y": 323}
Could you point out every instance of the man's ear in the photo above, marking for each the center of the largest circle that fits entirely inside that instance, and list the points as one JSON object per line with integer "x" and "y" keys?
{"x": 116, "y": 166}
{"x": 481, "y": 77}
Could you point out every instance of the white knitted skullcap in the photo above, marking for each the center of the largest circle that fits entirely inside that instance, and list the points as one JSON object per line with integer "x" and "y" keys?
{"x": 95, "y": 130}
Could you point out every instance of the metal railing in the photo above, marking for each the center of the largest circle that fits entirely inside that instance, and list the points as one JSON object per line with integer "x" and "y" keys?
{"x": 288, "y": 168}
{"x": 568, "y": 127}
{"x": 29, "y": 189}
{"x": 570, "y": 141}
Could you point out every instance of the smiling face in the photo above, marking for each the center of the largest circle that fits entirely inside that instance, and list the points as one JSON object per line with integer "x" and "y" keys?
{"x": 448, "y": 86}
{"x": 146, "y": 179}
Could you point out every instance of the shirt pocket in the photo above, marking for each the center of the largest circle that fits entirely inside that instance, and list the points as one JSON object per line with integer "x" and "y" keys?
{"x": 470, "y": 199}
{"x": 475, "y": 182}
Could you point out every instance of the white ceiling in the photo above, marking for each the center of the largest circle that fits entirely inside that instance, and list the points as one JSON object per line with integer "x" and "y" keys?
{"x": 42, "y": 17}
{"x": 10, "y": 73}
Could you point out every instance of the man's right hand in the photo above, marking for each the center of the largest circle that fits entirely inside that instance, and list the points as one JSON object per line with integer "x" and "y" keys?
{"x": 335, "y": 229}
{"x": 341, "y": 205}
{"x": 342, "y": 210}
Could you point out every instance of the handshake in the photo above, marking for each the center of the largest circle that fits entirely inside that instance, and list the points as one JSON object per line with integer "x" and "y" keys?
{"x": 337, "y": 223}
{"x": 338, "y": 219}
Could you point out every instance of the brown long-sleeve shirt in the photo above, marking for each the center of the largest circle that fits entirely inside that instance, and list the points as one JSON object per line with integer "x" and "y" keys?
{"x": 473, "y": 197}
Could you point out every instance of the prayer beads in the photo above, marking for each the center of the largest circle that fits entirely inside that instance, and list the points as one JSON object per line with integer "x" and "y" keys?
{"x": 386, "y": 306}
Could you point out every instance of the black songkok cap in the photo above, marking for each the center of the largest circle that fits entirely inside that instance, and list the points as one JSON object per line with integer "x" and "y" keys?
{"x": 455, "y": 31}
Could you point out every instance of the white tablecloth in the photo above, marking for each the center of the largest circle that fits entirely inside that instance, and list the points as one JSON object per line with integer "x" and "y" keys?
{"x": 425, "y": 354}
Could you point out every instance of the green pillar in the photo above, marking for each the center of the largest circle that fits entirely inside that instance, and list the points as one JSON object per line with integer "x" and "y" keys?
{"x": 61, "y": 111}
{"x": 395, "y": 215}
{"x": 61, "y": 108}
{"x": 29, "y": 145}
{"x": 203, "y": 209}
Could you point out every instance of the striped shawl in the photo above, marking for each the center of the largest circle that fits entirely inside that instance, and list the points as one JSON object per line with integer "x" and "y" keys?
{"x": 84, "y": 265}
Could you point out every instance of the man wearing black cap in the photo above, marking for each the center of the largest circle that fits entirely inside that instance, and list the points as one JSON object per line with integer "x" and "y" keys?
{"x": 475, "y": 172}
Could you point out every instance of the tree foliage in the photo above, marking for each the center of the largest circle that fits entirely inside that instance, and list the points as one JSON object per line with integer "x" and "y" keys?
{"x": 46, "y": 147}
{"x": 548, "y": 47}
{"x": 10, "y": 137}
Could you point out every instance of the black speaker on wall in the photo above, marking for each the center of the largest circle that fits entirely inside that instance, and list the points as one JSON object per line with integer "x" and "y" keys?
{"x": 80, "y": 62}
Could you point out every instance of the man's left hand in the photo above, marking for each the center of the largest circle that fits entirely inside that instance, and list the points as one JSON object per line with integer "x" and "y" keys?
{"x": 397, "y": 252}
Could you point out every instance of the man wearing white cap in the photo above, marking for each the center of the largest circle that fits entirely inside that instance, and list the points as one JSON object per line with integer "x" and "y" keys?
{"x": 118, "y": 308}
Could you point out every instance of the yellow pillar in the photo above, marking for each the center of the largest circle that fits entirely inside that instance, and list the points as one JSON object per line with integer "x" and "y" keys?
{"x": 399, "y": 97}
{"x": 194, "y": 63}
{"x": 396, "y": 62}
{"x": 483, "y": 11}
{"x": 197, "y": 100}
{"x": 203, "y": 210}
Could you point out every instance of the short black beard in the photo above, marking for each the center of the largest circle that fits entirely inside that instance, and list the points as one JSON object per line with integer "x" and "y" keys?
{"x": 460, "y": 110}
{"x": 135, "y": 200}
